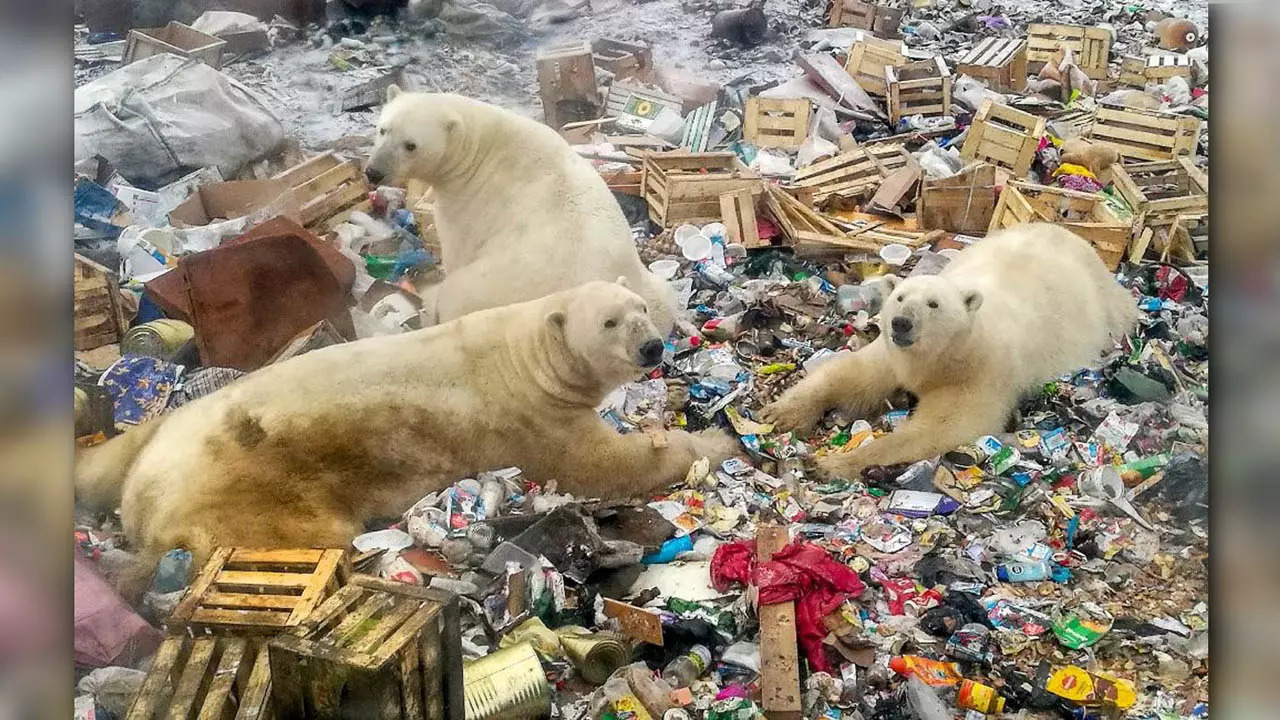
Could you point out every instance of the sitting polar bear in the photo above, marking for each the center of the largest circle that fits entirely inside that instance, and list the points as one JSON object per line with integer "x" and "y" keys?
{"x": 303, "y": 453}
{"x": 1014, "y": 310}
{"x": 519, "y": 213}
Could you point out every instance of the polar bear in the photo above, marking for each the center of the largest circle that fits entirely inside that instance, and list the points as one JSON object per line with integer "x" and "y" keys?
{"x": 518, "y": 212}
{"x": 1014, "y": 310}
{"x": 302, "y": 453}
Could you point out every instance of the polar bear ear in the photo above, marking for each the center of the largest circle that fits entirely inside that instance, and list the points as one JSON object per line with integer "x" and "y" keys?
{"x": 393, "y": 91}
{"x": 972, "y": 300}
{"x": 556, "y": 320}
{"x": 890, "y": 282}
{"x": 622, "y": 280}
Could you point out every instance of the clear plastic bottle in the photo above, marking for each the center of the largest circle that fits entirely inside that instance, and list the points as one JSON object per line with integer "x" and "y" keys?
{"x": 172, "y": 571}
{"x": 682, "y": 671}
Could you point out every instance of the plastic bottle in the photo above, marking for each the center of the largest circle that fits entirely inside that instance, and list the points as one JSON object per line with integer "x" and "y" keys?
{"x": 924, "y": 704}
{"x": 1024, "y": 571}
{"x": 172, "y": 571}
{"x": 682, "y": 671}
{"x": 931, "y": 672}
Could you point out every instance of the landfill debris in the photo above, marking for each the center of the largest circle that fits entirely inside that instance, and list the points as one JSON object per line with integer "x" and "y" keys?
{"x": 1057, "y": 569}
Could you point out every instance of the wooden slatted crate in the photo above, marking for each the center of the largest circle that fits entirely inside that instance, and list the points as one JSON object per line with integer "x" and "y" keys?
{"x": 883, "y": 20}
{"x": 1004, "y": 137}
{"x": 99, "y": 316}
{"x": 776, "y": 122}
{"x": 851, "y": 174}
{"x": 1159, "y": 192}
{"x": 375, "y": 649}
{"x": 623, "y": 59}
{"x": 962, "y": 203}
{"x": 867, "y": 62}
{"x": 567, "y": 84}
{"x": 175, "y": 39}
{"x": 918, "y": 88}
{"x": 1146, "y": 135}
{"x": 1001, "y": 62}
{"x": 1160, "y": 68}
{"x": 1133, "y": 71}
{"x": 206, "y": 678}
{"x": 257, "y": 592}
{"x": 1090, "y": 45}
{"x": 1085, "y": 214}
{"x": 683, "y": 187}
{"x": 738, "y": 213}
{"x": 329, "y": 189}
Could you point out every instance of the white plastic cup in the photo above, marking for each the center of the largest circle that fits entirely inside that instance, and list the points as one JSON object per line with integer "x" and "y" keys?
{"x": 895, "y": 253}
{"x": 685, "y": 232}
{"x": 715, "y": 230}
{"x": 664, "y": 269}
{"x": 949, "y": 253}
{"x": 696, "y": 248}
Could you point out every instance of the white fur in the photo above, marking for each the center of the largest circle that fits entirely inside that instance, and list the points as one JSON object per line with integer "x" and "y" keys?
{"x": 519, "y": 213}
{"x": 1014, "y": 310}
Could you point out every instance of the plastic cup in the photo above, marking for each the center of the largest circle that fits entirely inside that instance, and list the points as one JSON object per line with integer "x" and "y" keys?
{"x": 714, "y": 230}
{"x": 895, "y": 254}
{"x": 664, "y": 269}
{"x": 685, "y": 232}
{"x": 696, "y": 248}
{"x": 949, "y": 253}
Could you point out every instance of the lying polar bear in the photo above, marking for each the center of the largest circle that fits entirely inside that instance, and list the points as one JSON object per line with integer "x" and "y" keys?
{"x": 1012, "y": 311}
{"x": 304, "y": 452}
{"x": 518, "y": 212}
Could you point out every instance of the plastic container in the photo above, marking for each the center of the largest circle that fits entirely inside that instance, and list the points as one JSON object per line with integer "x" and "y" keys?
{"x": 682, "y": 671}
{"x": 852, "y": 298}
{"x": 895, "y": 253}
{"x": 976, "y": 696}
{"x": 697, "y": 247}
{"x": 931, "y": 672}
{"x": 664, "y": 269}
{"x": 1024, "y": 571}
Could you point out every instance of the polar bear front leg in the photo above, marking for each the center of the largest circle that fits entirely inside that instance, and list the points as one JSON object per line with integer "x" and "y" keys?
{"x": 605, "y": 464}
{"x": 859, "y": 381}
{"x": 945, "y": 419}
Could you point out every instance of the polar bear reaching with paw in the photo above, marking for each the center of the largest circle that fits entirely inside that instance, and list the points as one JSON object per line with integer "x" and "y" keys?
{"x": 1016, "y": 309}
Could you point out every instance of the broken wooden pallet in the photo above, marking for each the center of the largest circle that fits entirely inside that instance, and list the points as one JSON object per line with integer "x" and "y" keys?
{"x": 918, "y": 88}
{"x": 257, "y": 592}
{"x": 738, "y": 213}
{"x": 567, "y": 83}
{"x": 1159, "y": 192}
{"x": 683, "y": 187}
{"x": 776, "y": 122}
{"x": 867, "y": 62}
{"x": 1085, "y": 214}
{"x": 1091, "y": 47}
{"x": 375, "y": 648}
{"x": 1146, "y": 135}
{"x": 1160, "y": 68}
{"x": 328, "y": 189}
{"x": 97, "y": 309}
{"x": 962, "y": 203}
{"x": 1001, "y": 62}
{"x": 852, "y": 174}
{"x": 206, "y": 677}
{"x": 1004, "y": 137}
{"x": 883, "y": 20}
{"x": 623, "y": 59}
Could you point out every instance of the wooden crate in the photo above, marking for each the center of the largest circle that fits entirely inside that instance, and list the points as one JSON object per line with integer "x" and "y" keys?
{"x": 683, "y": 187}
{"x": 567, "y": 84}
{"x": 738, "y": 213}
{"x": 852, "y": 174}
{"x": 775, "y": 122}
{"x": 177, "y": 39}
{"x": 1146, "y": 135}
{"x": 206, "y": 677}
{"x": 962, "y": 203}
{"x": 882, "y": 20}
{"x": 1001, "y": 62}
{"x": 370, "y": 92}
{"x": 867, "y": 62}
{"x": 1160, "y": 68}
{"x": 625, "y": 60}
{"x": 1159, "y": 192}
{"x": 99, "y": 316}
{"x": 328, "y": 190}
{"x": 257, "y": 592}
{"x": 1004, "y": 137}
{"x": 1085, "y": 214}
{"x": 918, "y": 88}
{"x": 1091, "y": 46}
{"x": 1133, "y": 71}
{"x": 375, "y": 649}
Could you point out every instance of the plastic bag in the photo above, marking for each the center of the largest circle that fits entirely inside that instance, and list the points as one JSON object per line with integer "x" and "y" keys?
{"x": 160, "y": 115}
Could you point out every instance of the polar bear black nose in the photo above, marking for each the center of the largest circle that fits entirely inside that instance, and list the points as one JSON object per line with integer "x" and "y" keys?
{"x": 901, "y": 325}
{"x": 375, "y": 176}
{"x": 651, "y": 352}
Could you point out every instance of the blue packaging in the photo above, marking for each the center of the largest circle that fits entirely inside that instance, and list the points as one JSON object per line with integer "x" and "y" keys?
{"x": 669, "y": 550}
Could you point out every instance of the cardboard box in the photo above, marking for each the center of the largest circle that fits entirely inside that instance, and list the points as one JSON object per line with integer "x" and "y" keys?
{"x": 238, "y": 198}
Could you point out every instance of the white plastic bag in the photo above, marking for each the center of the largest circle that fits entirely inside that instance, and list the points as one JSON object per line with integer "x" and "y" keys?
{"x": 163, "y": 114}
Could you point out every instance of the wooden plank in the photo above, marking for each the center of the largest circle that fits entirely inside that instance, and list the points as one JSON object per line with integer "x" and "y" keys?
{"x": 256, "y": 698}
{"x": 314, "y": 591}
{"x": 218, "y": 701}
{"x": 300, "y": 173}
{"x": 201, "y": 584}
{"x": 247, "y": 618}
{"x": 350, "y": 626}
{"x": 254, "y": 578}
{"x": 388, "y": 624}
{"x": 275, "y": 556}
{"x": 779, "y": 655}
{"x": 194, "y": 678}
{"x": 738, "y": 213}
{"x": 215, "y": 599}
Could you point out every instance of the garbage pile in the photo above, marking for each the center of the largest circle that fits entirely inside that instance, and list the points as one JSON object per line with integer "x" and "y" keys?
{"x": 1058, "y": 569}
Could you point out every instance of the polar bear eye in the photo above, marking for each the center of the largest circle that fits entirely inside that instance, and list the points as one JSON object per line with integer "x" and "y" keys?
{"x": 382, "y": 131}
{"x": 933, "y": 304}
{"x": 610, "y": 324}
{"x": 410, "y": 146}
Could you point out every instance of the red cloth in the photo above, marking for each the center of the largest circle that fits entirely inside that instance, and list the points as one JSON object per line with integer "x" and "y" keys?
{"x": 802, "y": 572}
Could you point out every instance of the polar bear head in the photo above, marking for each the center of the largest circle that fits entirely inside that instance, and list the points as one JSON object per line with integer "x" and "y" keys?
{"x": 607, "y": 328}
{"x": 927, "y": 314}
{"x": 414, "y": 135}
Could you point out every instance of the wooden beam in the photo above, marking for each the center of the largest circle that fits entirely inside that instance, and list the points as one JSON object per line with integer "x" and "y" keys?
{"x": 779, "y": 655}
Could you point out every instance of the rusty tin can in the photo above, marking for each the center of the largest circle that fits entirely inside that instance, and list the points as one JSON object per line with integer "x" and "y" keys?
{"x": 507, "y": 685}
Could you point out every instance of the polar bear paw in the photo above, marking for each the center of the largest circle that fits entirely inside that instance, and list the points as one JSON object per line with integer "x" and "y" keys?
{"x": 792, "y": 413}
{"x": 845, "y": 465}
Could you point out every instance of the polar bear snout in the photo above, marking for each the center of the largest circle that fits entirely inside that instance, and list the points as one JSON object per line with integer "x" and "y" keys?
{"x": 902, "y": 331}
{"x": 374, "y": 174}
{"x": 651, "y": 353}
